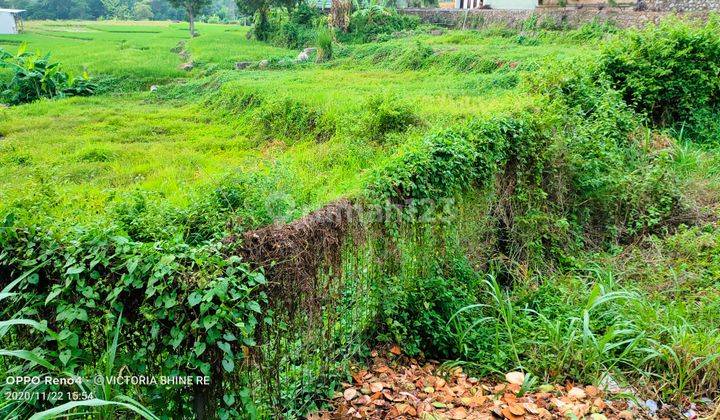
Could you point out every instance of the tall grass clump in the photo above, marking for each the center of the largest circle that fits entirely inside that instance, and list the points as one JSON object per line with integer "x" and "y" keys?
{"x": 324, "y": 42}
{"x": 385, "y": 115}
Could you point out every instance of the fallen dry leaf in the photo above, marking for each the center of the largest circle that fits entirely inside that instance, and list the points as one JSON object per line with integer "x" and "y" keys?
{"x": 592, "y": 391}
{"x": 516, "y": 409}
{"x": 517, "y": 378}
{"x": 349, "y": 394}
{"x": 362, "y": 400}
{"x": 626, "y": 415}
{"x": 395, "y": 350}
{"x": 376, "y": 387}
{"x": 509, "y": 415}
{"x": 458, "y": 413}
{"x": 531, "y": 408}
{"x": 577, "y": 393}
{"x": 415, "y": 390}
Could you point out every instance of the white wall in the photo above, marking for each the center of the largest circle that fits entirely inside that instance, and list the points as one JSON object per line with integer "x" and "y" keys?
{"x": 512, "y": 4}
{"x": 498, "y": 4}
{"x": 7, "y": 23}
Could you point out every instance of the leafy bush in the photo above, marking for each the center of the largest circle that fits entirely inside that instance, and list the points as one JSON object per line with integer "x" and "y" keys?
{"x": 417, "y": 314}
{"x": 292, "y": 35}
{"x": 305, "y": 14}
{"x": 367, "y": 23}
{"x": 186, "y": 310}
{"x": 595, "y": 29}
{"x": 669, "y": 72}
{"x": 35, "y": 77}
{"x": 294, "y": 28}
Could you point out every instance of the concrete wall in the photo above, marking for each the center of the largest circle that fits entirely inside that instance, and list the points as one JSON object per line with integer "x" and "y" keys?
{"x": 480, "y": 18}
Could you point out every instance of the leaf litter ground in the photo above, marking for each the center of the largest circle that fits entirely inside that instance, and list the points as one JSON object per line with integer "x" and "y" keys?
{"x": 401, "y": 387}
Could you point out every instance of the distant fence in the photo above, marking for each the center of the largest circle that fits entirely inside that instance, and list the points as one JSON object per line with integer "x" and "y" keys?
{"x": 572, "y": 18}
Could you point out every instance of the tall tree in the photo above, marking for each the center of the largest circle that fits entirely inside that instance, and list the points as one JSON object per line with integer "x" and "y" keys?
{"x": 58, "y": 9}
{"x": 142, "y": 10}
{"x": 193, "y": 8}
{"x": 117, "y": 9}
{"x": 260, "y": 10}
{"x": 162, "y": 10}
{"x": 96, "y": 8}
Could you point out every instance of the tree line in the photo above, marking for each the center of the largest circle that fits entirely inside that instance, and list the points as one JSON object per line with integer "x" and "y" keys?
{"x": 223, "y": 10}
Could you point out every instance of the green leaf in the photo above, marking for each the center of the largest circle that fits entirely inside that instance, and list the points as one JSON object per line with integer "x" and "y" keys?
{"x": 224, "y": 347}
{"x": 254, "y": 306}
{"x": 209, "y": 321}
{"x": 34, "y": 278}
{"x": 29, "y": 356}
{"x": 194, "y": 298}
{"x": 53, "y": 294}
{"x": 4, "y": 325}
{"x": 75, "y": 270}
{"x": 228, "y": 364}
{"x": 9, "y": 221}
{"x": 199, "y": 348}
{"x": 259, "y": 278}
{"x": 65, "y": 357}
{"x": 4, "y": 295}
{"x": 14, "y": 283}
{"x": 56, "y": 411}
{"x": 132, "y": 265}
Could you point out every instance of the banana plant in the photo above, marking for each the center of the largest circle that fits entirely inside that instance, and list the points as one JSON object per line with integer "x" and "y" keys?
{"x": 36, "y": 77}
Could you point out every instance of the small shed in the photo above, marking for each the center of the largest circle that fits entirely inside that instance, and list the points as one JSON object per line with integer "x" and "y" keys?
{"x": 10, "y": 21}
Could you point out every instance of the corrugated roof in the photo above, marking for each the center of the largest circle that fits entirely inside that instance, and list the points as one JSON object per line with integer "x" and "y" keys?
{"x": 11, "y": 10}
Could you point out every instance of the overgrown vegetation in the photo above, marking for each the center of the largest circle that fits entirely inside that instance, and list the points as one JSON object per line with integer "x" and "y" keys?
{"x": 299, "y": 26}
{"x": 512, "y": 204}
{"x": 670, "y": 73}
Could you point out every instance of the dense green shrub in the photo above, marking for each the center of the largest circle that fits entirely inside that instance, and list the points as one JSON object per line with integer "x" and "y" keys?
{"x": 185, "y": 310}
{"x": 670, "y": 72}
{"x": 293, "y": 28}
{"x": 293, "y": 35}
{"x": 305, "y": 14}
{"x": 35, "y": 77}
{"x": 367, "y": 23}
{"x": 417, "y": 314}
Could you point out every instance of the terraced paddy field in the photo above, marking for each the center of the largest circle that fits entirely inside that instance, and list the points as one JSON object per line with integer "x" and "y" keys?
{"x": 196, "y": 131}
